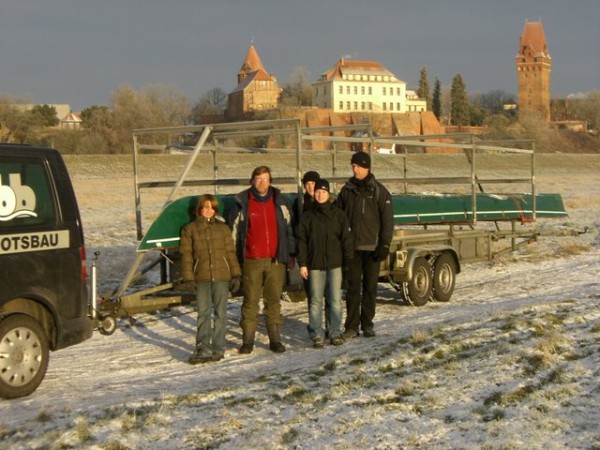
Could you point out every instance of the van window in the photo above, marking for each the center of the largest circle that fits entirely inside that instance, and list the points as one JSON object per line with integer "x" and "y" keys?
{"x": 26, "y": 194}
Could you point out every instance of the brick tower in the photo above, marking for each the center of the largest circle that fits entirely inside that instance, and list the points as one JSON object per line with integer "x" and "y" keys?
{"x": 257, "y": 90}
{"x": 533, "y": 71}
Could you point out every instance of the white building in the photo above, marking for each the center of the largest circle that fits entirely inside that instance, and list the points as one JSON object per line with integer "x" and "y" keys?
{"x": 363, "y": 86}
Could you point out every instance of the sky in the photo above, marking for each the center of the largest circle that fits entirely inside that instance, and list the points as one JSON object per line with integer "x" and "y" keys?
{"x": 80, "y": 51}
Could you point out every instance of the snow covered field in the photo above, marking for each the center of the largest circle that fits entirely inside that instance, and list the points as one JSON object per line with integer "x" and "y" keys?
{"x": 512, "y": 361}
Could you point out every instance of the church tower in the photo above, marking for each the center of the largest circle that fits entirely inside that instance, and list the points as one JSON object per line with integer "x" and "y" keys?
{"x": 533, "y": 71}
{"x": 257, "y": 90}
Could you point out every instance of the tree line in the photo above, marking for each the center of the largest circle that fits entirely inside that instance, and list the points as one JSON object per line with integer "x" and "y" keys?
{"x": 107, "y": 129}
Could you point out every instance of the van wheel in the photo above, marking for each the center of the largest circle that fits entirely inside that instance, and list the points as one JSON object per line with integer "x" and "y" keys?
{"x": 417, "y": 291}
{"x": 23, "y": 355}
{"x": 444, "y": 277}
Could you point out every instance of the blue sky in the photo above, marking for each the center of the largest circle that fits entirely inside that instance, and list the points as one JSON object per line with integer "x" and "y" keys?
{"x": 80, "y": 51}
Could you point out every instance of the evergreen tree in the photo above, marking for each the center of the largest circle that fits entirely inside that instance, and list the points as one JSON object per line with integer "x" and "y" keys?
{"x": 436, "y": 101}
{"x": 459, "y": 102}
{"x": 423, "y": 91}
{"x": 45, "y": 115}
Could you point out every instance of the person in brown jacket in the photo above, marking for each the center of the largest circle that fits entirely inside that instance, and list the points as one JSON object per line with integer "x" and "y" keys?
{"x": 208, "y": 258}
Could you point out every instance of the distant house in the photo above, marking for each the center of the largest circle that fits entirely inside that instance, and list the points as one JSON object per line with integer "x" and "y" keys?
{"x": 71, "y": 121}
{"x": 257, "y": 90}
{"x": 66, "y": 118}
{"x": 351, "y": 86}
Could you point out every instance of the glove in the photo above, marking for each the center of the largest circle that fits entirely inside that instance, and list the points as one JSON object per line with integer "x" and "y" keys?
{"x": 187, "y": 285}
{"x": 235, "y": 284}
{"x": 381, "y": 253}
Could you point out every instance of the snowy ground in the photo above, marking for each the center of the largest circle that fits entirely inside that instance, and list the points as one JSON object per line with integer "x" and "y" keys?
{"x": 512, "y": 361}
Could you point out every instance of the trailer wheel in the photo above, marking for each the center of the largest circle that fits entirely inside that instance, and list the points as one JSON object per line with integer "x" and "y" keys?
{"x": 417, "y": 291}
{"x": 444, "y": 277}
{"x": 108, "y": 325}
{"x": 24, "y": 355}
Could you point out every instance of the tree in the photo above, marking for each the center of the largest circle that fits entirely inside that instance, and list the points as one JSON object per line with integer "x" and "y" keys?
{"x": 297, "y": 91}
{"x": 436, "y": 101}
{"x": 96, "y": 118}
{"x": 459, "y": 103}
{"x": 16, "y": 123}
{"x": 423, "y": 91}
{"x": 493, "y": 101}
{"x": 154, "y": 106}
{"x": 211, "y": 103}
{"x": 45, "y": 115}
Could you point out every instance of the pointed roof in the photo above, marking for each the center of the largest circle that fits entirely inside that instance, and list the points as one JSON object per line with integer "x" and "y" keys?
{"x": 533, "y": 40}
{"x": 252, "y": 62}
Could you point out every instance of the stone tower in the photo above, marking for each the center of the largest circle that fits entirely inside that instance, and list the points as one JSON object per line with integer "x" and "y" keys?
{"x": 533, "y": 71}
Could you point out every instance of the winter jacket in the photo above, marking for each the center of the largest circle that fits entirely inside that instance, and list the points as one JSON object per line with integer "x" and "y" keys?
{"x": 238, "y": 220}
{"x": 324, "y": 238}
{"x": 308, "y": 203}
{"x": 207, "y": 251}
{"x": 368, "y": 205}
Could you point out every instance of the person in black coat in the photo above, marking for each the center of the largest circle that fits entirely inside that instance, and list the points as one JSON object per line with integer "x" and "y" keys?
{"x": 368, "y": 205}
{"x": 324, "y": 246}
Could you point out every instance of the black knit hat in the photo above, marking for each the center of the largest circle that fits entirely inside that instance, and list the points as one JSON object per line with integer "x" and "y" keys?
{"x": 311, "y": 175}
{"x": 322, "y": 183}
{"x": 361, "y": 159}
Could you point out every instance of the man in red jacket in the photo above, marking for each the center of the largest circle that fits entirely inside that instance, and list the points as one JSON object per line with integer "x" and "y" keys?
{"x": 261, "y": 224}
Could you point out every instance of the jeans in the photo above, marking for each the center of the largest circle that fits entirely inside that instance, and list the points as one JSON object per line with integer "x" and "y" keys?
{"x": 361, "y": 296}
{"x": 319, "y": 280}
{"x": 210, "y": 337}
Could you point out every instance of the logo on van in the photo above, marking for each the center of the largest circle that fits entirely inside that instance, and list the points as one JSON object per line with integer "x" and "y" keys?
{"x": 16, "y": 199}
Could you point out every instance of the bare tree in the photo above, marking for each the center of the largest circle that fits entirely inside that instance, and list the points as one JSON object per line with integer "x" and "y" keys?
{"x": 297, "y": 91}
{"x": 211, "y": 103}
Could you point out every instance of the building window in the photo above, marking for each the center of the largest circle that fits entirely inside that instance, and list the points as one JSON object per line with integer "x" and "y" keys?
{"x": 362, "y": 90}
{"x": 355, "y": 106}
{"x": 397, "y": 91}
{"x": 384, "y": 106}
{"x": 348, "y": 105}
{"x": 384, "y": 90}
{"x": 355, "y": 90}
{"x": 397, "y": 106}
{"x": 391, "y": 106}
{"x": 341, "y": 105}
{"x": 370, "y": 106}
{"x": 348, "y": 90}
{"x": 362, "y": 106}
{"x": 370, "y": 90}
{"x": 341, "y": 89}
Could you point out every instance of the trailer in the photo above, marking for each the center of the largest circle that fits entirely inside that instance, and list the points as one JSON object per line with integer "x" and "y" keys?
{"x": 435, "y": 233}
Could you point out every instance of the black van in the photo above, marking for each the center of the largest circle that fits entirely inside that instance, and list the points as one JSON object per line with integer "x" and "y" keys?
{"x": 43, "y": 277}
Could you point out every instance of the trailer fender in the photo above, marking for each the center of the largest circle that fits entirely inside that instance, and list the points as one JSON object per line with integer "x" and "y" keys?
{"x": 430, "y": 253}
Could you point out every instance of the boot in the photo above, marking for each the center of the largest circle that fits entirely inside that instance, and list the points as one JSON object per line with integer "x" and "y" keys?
{"x": 275, "y": 344}
{"x": 248, "y": 334}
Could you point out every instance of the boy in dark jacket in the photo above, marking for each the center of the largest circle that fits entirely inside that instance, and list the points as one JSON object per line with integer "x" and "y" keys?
{"x": 324, "y": 245}
{"x": 208, "y": 259}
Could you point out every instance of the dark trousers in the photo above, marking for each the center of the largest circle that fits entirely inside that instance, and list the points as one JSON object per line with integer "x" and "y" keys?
{"x": 362, "y": 275}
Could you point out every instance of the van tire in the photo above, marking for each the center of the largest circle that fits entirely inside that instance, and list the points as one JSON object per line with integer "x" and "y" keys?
{"x": 24, "y": 355}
